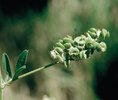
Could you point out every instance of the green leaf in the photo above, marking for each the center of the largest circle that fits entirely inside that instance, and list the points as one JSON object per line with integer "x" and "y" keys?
{"x": 18, "y": 72}
{"x": 6, "y": 65}
{"x": 21, "y": 60}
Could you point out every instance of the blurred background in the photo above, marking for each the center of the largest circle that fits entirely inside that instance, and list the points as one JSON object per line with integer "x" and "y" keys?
{"x": 36, "y": 25}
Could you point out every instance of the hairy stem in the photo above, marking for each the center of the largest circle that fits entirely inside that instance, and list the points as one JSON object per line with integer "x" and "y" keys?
{"x": 37, "y": 70}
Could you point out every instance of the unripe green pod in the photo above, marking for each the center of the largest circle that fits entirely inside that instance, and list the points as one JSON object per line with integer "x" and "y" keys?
{"x": 98, "y": 47}
{"x": 59, "y": 50}
{"x": 92, "y": 34}
{"x": 73, "y": 51}
{"x": 103, "y": 46}
{"x": 82, "y": 37}
{"x": 53, "y": 54}
{"x": 67, "y": 45}
{"x": 59, "y": 59}
{"x": 93, "y": 30}
{"x": 90, "y": 43}
{"x": 80, "y": 47}
{"x": 76, "y": 40}
{"x": 60, "y": 45}
{"x": 98, "y": 33}
{"x": 104, "y": 33}
{"x": 61, "y": 41}
{"x": 67, "y": 40}
{"x": 81, "y": 43}
{"x": 82, "y": 54}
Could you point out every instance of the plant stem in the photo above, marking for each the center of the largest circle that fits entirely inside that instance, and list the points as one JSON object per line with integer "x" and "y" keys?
{"x": 1, "y": 94}
{"x": 36, "y": 70}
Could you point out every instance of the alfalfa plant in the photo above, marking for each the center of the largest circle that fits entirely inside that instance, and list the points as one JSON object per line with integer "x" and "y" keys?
{"x": 65, "y": 50}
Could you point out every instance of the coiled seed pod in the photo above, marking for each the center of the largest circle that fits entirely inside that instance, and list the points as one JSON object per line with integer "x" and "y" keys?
{"x": 82, "y": 54}
{"x": 93, "y": 30}
{"x": 81, "y": 47}
{"x": 90, "y": 43}
{"x": 67, "y": 40}
{"x": 104, "y": 33}
{"x": 59, "y": 59}
{"x": 59, "y": 50}
{"x": 92, "y": 34}
{"x": 61, "y": 41}
{"x": 53, "y": 54}
{"x": 101, "y": 47}
{"x": 60, "y": 45}
{"x": 67, "y": 45}
{"x": 73, "y": 51}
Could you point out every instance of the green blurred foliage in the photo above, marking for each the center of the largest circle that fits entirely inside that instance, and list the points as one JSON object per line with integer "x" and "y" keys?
{"x": 38, "y": 32}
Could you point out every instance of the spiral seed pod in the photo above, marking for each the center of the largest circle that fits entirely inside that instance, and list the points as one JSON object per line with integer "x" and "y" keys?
{"x": 60, "y": 45}
{"x": 53, "y": 54}
{"x": 59, "y": 50}
{"x": 79, "y": 43}
{"x": 67, "y": 45}
{"x": 67, "y": 40}
{"x": 98, "y": 33}
{"x": 103, "y": 46}
{"x": 90, "y": 43}
{"x": 82, "y": 54}
{"x": 81, "y": 47}
{"x": 61, "y": 41}
{"x": 93, "y": 30}
{"x": 92, "y": 34}
{"x": 59, "y": 59}
{"x": 104, "y": 33}
{"x": 73, "y": 51}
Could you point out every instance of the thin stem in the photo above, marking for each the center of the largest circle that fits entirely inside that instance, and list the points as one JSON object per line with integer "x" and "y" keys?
{"x": 36, "y": 70}
{"x": 1, "y": 93}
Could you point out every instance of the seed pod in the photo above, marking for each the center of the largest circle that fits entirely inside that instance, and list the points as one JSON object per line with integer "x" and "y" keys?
{"x": 92, "y": 34}
{"x": 67, "y": 45}
{"x": 82, "y": 54}
{"x": 98, "y": 33}
{"x": 103, "y": 46}
{"x": 53, "y": 54}
{"x": 61, "y": 41}
{"x": 79, "y": 41}
{"x": 60, "y": 45}
{"x": 76, "y": 40}
{"x": 59, "y": 59}
{"x": 98, "y": 47}
{"x": 80, "y": 47}
{"x": 93, "y": 30}
{"x": 59, "y": 50}
{"x": 73, "y": 51}
{"x": 90, "y": 43}
{"x": 67, "y": 40}
{"x": 104, "y": 33}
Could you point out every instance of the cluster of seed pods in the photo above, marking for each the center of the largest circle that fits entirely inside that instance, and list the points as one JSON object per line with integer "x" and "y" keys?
{"x": 80, "y": 47}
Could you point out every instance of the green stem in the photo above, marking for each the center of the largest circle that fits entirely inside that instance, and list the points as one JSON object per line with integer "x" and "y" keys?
{"x": 1, "y": 93}
{"x": 36, "y": 70}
